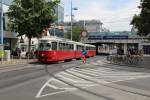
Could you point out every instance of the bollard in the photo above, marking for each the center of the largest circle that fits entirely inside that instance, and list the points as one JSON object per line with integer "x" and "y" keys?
{"x": 20, "y": 59}
{"x": 1, "y": 60}
{"x": 11, "y": 59}
{"x": 28, "y": 58}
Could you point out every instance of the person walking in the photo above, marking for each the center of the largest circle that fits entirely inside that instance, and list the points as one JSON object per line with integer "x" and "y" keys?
{"x": 84, "y": 53}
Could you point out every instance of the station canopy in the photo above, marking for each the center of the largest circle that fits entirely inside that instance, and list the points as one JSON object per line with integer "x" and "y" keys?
{"x": 127, "y": 33}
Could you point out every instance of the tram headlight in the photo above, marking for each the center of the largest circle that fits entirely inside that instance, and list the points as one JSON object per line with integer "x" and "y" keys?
{"x": 42, "y": 55}
{"x": 54, "y": 52}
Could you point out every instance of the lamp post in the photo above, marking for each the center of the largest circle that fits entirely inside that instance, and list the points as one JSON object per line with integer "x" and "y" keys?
{"x": 2, "y": 23}
{"x": 72, "y": 17}
{"x": 2, "y": 37}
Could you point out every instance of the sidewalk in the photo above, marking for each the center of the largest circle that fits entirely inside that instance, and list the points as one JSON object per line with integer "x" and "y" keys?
{"x": 13, "y": 62}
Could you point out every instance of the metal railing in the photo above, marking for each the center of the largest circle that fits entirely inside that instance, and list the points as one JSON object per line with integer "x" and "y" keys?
{"x": 14, "y": 60}
{"x": 126, "y": 59}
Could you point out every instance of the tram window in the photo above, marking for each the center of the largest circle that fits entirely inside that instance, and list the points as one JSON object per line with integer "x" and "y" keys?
{"x": 71, "y": 46}
{"x": 78, "y": 47}
{"x": 54, "y": 45}
{"x": 44, "y": 46}
{"x": 60, "y": 46}
{"x": 87, "y": 48}
{"x": 63, "y": 47}
{"x": 67, "y": 47}
{"x": 82, "y": 47}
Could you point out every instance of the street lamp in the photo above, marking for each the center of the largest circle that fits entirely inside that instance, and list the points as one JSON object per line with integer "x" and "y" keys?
{"x": 72, "y": 17}
{"x": 1, "y": 19}
{"x": 1, "y": 22}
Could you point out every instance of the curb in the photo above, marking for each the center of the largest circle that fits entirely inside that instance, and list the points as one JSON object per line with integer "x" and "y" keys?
{"x": 12, "y": 65}
{"x": 16, "y": 62}
{"x": 126, "y": 88}
{"x": 109, "y": 62}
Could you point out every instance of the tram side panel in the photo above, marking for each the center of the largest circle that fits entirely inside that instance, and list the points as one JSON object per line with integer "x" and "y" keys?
{"x": 66, "y": 52}
{"x": 78, "y": 53}
{"x": 47, "y": 56}
{"x": 91, "y": 51}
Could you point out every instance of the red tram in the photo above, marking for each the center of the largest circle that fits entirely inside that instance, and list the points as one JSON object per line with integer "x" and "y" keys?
{"x": 53, "y": 49}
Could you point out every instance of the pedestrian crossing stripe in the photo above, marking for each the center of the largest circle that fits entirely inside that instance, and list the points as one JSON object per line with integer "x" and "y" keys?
{"x": 47, "y": 84}
{"x": 60, "y": 89}
{"x": 87, "y": 77}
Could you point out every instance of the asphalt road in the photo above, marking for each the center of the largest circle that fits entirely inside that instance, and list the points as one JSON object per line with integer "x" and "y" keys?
{"x": 95, "y": 80}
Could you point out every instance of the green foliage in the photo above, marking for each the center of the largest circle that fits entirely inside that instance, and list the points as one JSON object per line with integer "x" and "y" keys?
{"x": 2, "y": 53}
{"x": 142, "y": 21}
{"x": 136, "y": 21}
{"x": 31, "y": 17}
{"x": 76, "y": 33}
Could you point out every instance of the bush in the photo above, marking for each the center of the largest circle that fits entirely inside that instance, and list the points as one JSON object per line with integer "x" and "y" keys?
{"x": 2, "y": 53}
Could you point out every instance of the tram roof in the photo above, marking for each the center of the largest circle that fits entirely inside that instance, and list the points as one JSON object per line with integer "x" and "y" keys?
{"x": 89, "y": 45}
{"x": 58, "y": 39}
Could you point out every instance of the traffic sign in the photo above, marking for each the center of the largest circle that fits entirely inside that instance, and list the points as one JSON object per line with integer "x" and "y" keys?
{"x": 83, "y": 33}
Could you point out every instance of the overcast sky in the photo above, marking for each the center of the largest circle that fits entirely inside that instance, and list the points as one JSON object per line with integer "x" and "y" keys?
{"x": 115, "y": 14}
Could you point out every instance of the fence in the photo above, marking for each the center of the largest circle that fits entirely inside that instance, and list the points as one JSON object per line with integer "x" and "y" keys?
{"x": 126, "y": 59}
{"x": 14, "y": 60}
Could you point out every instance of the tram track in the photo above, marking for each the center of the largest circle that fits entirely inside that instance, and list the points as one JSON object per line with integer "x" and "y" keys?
{"x": 15, "y": 77}
{"x": 112, "y": 84}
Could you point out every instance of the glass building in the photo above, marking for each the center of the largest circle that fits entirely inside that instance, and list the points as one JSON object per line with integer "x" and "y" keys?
{"x": 59, "y": 23}
{"x": 7, "y": 2}
{"x": 60, "y": 13}
{"x": 9, "y": 38}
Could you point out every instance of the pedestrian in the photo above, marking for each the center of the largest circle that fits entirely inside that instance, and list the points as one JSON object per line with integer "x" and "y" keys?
{"x": 36, "y": 53}
{"x": 84, "y": 53}
{"x": 19, "y": 52}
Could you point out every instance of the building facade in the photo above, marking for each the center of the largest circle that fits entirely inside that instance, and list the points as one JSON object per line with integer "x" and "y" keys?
{"x": 10, "y": 39}
{"x": 57, "y": 28}
{"x": 89, "y": 25}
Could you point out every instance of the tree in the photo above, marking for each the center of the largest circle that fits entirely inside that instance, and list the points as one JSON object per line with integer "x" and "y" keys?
{"x": 76, "y": 33}
{"x": 136, "y": 22}
{"x": 142, "y": 21}
{"x": 31, "y": 17}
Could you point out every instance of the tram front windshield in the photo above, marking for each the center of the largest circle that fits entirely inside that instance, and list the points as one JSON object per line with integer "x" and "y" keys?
{"x": 44, "y": 46}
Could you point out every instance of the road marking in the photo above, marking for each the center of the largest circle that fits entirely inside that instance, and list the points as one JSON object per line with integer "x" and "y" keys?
{"x": 74, "y": 78}
{"x": 110, "y": 76}
{"x": 67, "y": 66}
{"x": 52, "y": 86}
{"x": 87, "y": 77}
{"x": 47, "y": 84}
{"x": 66, "y": 78}
{"x": 50, "y": 94}
{"x": 61, "y": 89}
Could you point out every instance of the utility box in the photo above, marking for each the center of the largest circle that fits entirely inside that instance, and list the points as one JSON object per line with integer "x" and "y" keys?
{"x": 7, "y": 56}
